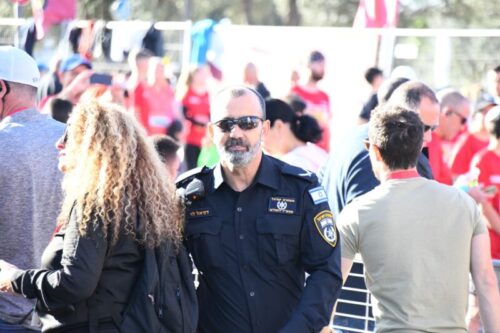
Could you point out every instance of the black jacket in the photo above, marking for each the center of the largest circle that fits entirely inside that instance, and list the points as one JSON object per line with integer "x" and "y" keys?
{"x": 74, "y": 270}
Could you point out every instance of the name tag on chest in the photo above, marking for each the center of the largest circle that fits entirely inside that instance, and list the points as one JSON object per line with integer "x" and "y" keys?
{"x": 282, "y": 205}
{"x": 200, "y": 212}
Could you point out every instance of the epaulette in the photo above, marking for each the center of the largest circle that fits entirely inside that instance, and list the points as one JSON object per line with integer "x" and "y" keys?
{"x": 190, "y": 174}
{"x": 292, "y": 170}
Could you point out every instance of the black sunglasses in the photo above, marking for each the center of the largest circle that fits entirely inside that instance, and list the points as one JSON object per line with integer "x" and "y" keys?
{"x": 463, "y": 119}
{"x": 430, "y": 128}
{"x": 246, "y": 123}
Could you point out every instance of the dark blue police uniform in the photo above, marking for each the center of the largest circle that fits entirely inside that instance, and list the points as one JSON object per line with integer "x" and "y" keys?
{"x": 252, "y": 248}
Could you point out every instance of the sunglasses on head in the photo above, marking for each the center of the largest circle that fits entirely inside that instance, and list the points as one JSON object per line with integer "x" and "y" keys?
{"x": 246, "y": 123}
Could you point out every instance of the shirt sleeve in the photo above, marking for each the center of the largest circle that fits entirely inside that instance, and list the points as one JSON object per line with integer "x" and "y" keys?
{"x": 82, "y": 262}
{"x": 320, "y": 252}
{"x": 348, "y": 224}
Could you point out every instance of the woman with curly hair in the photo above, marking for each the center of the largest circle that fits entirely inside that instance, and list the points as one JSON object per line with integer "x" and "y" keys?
{"x": 118, "y": 201}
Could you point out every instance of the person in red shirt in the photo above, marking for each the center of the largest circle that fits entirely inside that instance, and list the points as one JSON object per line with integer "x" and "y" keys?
{"x": 154, "y": 100}
{"x": 488, "y": 194}
{"x": 472, "y": 141}
{"x": 196, "y": 109}
{"x": 317, "y": 101}
{"x": 453, "y": 117}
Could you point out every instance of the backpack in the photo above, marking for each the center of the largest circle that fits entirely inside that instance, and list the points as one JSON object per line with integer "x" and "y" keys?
{"x": 164, "y": 297}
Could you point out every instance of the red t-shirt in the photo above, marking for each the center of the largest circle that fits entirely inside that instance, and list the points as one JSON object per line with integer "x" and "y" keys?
{"x": 440, "y": 170}
{"x": 489, "y": 165}
{"x": 196, "y": 107}
{"x": 318, "y": 106}
{"x": 154, "y": 107}
{"x": 465, "y": 149}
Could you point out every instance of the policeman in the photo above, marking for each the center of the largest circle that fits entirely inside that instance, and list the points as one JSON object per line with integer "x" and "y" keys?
{"x": 254, "y": 226}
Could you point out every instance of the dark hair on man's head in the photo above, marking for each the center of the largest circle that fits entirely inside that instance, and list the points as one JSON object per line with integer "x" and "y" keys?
{"x": 387, "y": 88}
{"x": 165, "y": 146}
{"x": 304, "y": 127}
{"x": 371, "y": 73}
{"x": 398, "y": 133}
{"x": 410, "y": 94}
{"x": 60, "y": 109}
{"x": 497, "y": 69}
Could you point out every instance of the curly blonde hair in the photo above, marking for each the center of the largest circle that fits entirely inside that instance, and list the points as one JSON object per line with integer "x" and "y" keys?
{"x": 115, "y": 180}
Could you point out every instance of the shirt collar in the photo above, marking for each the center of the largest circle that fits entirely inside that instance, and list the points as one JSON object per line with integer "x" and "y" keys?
{"x": 268, "y": 174}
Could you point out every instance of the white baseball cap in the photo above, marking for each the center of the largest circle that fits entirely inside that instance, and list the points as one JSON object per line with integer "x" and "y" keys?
{"x": 18, "y": 66}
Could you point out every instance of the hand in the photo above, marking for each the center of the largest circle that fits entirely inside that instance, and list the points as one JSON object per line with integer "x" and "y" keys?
{"x": 6, "y": 271}
{"x": 479, "y": 195}
{"x": 76, "y": 88}
{"x": 326, "y": 329}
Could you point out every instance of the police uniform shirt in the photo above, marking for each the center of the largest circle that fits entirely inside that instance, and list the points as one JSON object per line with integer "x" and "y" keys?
{"x": 252, "y": 248}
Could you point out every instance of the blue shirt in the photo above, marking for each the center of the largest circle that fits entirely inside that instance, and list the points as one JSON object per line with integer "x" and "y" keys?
{"x": 253, "y": 247}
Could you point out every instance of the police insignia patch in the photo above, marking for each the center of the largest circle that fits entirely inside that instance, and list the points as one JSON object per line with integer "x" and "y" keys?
{"x": 282, "y": 205}
{"x": 318, "y": 195}
{"x": 326, "y": 227}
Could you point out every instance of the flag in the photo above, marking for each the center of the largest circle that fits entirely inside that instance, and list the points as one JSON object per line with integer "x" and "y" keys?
{"x": 49, "y": 12}
{"x": 377, "y": 14}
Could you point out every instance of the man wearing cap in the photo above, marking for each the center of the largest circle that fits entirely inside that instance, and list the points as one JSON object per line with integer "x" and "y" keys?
{"x": 317, "y": 101}
{"x": 30, "y": 189}
{"x": 74, "y": 74}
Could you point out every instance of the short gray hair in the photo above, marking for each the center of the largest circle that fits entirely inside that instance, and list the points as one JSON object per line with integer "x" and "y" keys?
{"x": 238, "y": 91}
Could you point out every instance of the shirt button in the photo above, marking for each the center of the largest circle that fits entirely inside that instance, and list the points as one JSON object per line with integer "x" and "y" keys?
{"x": 242, "y": 236}
{"x": 239, "y": 209}
{"x": 252, "y": 294}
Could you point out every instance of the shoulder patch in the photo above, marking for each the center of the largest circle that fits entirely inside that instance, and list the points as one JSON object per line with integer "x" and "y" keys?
{"x": 188, "y": 175}
{"x": 292, "y": 170}
{"x": 318, "y": 195}
{"x": 326, "y": 227}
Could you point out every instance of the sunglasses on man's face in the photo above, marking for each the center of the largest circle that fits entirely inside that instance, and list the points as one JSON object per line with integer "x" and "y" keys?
{"x": 430, "y": 128}
{"x": 246, "y": 123}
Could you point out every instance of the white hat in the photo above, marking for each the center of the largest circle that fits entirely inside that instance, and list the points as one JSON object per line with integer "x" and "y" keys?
{"x": 18, "y": 66}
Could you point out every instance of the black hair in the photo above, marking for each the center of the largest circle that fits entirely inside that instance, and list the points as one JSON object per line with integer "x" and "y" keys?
{"x": 165, "y": 146}
{"x": 60, "y": 109}
{"x": 175, "y": 129}
{"x": 387, "y": 88}
{"x": 371, "y": 73}
{"x": 497, "y": 69}
{"x": 304, "y": 127}
{"x": 398, "y": 133}
{"x": 410, "y": 94}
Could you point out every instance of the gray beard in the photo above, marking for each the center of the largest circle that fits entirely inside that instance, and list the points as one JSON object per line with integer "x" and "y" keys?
{"x": 239, "y": 158}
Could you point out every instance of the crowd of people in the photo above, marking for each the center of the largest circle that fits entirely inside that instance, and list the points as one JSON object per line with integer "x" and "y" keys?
{"x": 100, "y": 168}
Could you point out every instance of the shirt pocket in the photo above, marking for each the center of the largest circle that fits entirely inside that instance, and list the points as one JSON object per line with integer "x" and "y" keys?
{"x": 279, "y": 239}
{"x": 203, "y": 238}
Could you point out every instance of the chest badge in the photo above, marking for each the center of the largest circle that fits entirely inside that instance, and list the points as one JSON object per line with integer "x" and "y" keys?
{"x": 282, "y": 205}
{"x": 199, "y": 212}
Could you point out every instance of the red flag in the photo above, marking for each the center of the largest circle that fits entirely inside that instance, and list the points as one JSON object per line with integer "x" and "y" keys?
{"x": 377, "y": 14}
{"x": 21, "y": 2}
{"x": 49, "y": 12}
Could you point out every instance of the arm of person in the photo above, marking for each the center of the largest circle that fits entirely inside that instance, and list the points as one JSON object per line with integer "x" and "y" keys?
{"x": 486, "y": 283}
{"x": 489, "y": 213}
{"x": 320, "y": 252}
{"x": 82, "y": 262}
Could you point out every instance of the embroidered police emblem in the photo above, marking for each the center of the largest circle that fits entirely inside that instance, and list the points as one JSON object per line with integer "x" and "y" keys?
{"x": 282, "y": 205}
{"x": 326, "y": 227}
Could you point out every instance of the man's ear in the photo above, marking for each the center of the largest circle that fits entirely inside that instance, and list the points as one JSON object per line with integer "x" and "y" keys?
{"x": 3, "y": 89}
{"x": 266, "y": 126}
{"x": 378, "y": 155}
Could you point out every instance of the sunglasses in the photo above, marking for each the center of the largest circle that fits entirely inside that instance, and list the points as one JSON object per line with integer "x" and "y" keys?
{"x": 463, "y": 119}
{"x": 246, "y": 123}
{"x": 430, "y": 128}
